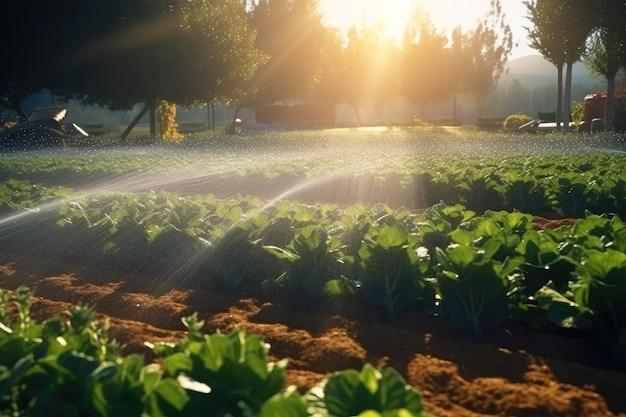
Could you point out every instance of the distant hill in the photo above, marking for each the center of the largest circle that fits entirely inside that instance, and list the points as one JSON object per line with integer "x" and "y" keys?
{"x": 538, "y": 65}
{"x": 534, "y": 70}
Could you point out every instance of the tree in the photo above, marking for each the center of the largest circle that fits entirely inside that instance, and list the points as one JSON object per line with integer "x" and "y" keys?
{"x": 561, "y": 28}
{"x": 116, "y": 60}
{"x": 27, "y": 30}
{"x": 607, "y": 50}
{"x": 367, "y": 71}
{"x": 426, "y": 76}
{"x": 141, "y": 51}
{"x": 545, "y": 36}
{"x": 488, "y": 46}
{"x": 292, "y": 34}
{"x": 578, "y": 21}
{"x": 516, "y": 98}
{"x": 457, "y": 58}
{"x": 332, "y": 76}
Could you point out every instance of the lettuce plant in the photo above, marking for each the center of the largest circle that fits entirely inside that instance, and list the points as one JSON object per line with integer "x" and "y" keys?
{"x": 524, "y": 193}
{"x": 475, "y": 288}
{"x": 595, "y": 301}
{"x": 437, "y": 222}
{"x": 600, "y": 292}
{"x": 68, "y": 368}
{"x": 370, "y": 392}
{"x": 389, "y": 270}
{"x": 64, "y": 367}
{"x": 311, "y": 260}
{"x": 572, "y": 193}
{"x": 506, "y": 228}
{"x": 238, "y": 259}
{"x": 228, "y": 374}
{"x": 545, "y": 259}
{"x": 600, "y": 232}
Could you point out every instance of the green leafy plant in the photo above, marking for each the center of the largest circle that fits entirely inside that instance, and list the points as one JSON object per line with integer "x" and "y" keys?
{"x": 390, "y": 268}
{"x": 600, "y": 232}
{"x": 227, "y": 374}
{"x": 474, "y": 288}
{"x": 545, "y": 259}
{"x": 312, "y": 259}
{"x": 22, "y": 194}
{"x": 63, "y": 367}
{"x": 69, "y": 367}
{"x": 573, "y": 193}
{"x": 524, "y": 193}
{"x": 595, "y": 301}
{"x": 370, "y": 392}
{"x": 437, "y": 222}
{"x": 503, "y": 227}
{"x": 600, "y": 291}
{"x": 480, "y": 190}
{"x": 238, "y": 259}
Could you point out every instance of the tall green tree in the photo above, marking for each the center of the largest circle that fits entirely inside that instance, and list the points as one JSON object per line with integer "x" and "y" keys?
{"x": 578, "y": 20}
{"x": 293, "y": 35}
{"x": 330, "y": 85}
{"x": 457, "y": 58}
{"x": 489, "y": 47}
{"x": 426, "y": 76}
{"x": 27, "y": 31}
{"x": 118, "y": 53}
{"x": 367, "y": 71}
{"x": 560, "y": 30}
{"x": 607, "y": 51}
{"x": 545, "y": 37}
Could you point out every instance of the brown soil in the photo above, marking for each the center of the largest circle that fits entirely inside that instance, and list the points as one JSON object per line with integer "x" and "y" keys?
{"x": 512, "y": 372}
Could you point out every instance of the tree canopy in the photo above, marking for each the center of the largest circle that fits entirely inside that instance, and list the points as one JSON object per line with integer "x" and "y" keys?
{"x": 564, "y": 30}
{"x": 292, "y": 34}
{"x": 427, "y": 66}
{"x": 118, "y": 53}
{"x": 488, "y": 46}
{"x": 607, "y": 50}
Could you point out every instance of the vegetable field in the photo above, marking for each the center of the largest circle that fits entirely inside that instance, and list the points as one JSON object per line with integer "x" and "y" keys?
{"x": 486, "y": 271}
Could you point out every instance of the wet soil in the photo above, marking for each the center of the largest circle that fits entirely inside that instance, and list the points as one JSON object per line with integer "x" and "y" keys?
{"x": 512, "y": 372}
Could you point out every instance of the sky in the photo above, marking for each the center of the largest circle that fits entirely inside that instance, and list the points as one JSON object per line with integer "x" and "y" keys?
{"x": 445, "y": 14}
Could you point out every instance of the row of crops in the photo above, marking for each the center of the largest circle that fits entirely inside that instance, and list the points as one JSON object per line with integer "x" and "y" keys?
{"x": 555, "y": 182}
{"x": 474, "y": 272}
{"x": 68, "y": 366}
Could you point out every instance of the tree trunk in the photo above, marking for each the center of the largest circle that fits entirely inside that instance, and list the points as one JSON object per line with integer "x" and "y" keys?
{"x": 559, "y": 97}
{"x": 567, "y": 97}
{"x": 134, "y": 122}
{"x": 609, "y": 107}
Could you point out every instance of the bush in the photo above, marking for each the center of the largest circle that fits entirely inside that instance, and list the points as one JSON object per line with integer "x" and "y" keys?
{"x": 514, "y": 121}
